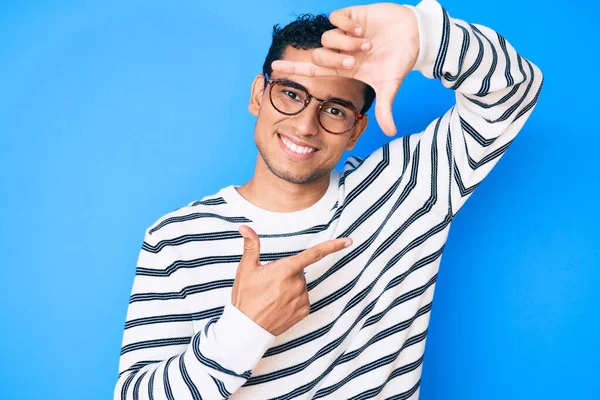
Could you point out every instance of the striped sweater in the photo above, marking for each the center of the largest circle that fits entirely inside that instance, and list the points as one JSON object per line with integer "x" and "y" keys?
{"x": 370, "y": 303}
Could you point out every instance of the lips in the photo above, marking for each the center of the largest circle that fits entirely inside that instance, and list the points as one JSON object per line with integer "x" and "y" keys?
{"x": 294, "y": 150}
{"x": 297, "y": 142}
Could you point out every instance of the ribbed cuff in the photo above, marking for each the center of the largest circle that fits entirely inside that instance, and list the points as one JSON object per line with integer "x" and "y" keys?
{"x": 430, "y": 18}
{"x": 238, "y": 340}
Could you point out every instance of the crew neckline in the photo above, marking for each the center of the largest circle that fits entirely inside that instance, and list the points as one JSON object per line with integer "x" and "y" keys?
{"x": 284, "y": 220}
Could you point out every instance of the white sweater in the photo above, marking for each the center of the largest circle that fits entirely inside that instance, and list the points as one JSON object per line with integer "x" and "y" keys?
{"x": 370, "y": 303}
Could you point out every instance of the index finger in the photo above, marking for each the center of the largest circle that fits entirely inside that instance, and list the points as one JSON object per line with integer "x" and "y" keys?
{"x": 302, "y": 68}
{"x": 298, "y": 262}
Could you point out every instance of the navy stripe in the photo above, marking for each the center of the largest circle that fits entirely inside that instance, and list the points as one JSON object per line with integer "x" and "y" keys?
{"x": 136, "y": 387}
{"x": 208, "y": 324}
{"x": 405, "y": 369}
{"x": 151, "y": 386}
{"x": 517, "y": 104}
{"x": 463, "y": 77}
{"x": 204, "y": 261}
{"x": 221, "y": 387}
{"x": 157, "y": 319}
{"x": 463, "y": 52}
{"x": 137, "y": 366}
{"x": 485, "y": 84}
{"x": 125, "y": 387}
{"x": 188, "y": 381}
{"x": 366, "y": 368}
{"x": 509, "y": 79}
{"x": 443, "y": 50}
{"x": 532, "y": 103}
{"x": 450, "y": 158}
{"x": 503, "y": 100}
{"x": 167, "y": 385}
{"x": 217, "y": 201}
{"x": 213, "y": 364}
{"x": 198, "y": 237}
{"x": 148, "y": 344}
{"x": 406, "y": 395}
{"x": 480, "y": 139}
{"x": 183, "y": 293}
{"x": 197, "y": 215}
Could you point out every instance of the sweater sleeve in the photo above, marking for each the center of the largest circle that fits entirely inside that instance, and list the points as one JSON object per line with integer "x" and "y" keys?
{"x": 495, "y": 89}
{"x": 162, "y": 357}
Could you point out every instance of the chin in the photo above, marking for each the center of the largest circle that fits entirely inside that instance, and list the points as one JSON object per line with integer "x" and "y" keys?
{"x": 294, "y": 175}
{"x": 287, "y": 170}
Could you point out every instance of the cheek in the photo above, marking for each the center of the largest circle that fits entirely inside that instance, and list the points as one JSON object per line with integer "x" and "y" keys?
{"x": 336, "y": 147}
{"x": 265, "y": 122}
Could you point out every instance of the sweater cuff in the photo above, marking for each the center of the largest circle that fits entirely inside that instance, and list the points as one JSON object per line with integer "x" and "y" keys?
{"x": 430, "y": 18}
{"x": 238, "y": 340}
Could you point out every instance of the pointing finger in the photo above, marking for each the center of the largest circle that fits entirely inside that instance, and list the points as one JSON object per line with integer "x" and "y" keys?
{"x": 313, "y": 254}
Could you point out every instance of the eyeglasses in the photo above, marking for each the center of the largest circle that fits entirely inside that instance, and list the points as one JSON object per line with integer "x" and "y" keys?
{"x": 336, "y": 116}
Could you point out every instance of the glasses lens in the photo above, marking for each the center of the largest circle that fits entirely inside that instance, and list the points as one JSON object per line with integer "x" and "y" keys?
{"x": 337, "y": 118}
{"x": 287, "y": 99}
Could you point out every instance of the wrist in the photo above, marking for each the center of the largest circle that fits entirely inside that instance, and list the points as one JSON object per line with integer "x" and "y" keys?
{"x": 429, "y": 19}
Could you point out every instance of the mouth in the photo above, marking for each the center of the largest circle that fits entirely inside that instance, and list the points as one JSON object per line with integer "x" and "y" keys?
{"x": 295, "y": 150}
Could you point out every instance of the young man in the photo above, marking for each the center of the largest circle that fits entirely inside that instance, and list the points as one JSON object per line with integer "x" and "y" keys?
{"x": 310, "y": 283}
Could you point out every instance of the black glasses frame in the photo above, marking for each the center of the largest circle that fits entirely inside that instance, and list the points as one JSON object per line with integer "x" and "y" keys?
{"x": 357, "y": 116}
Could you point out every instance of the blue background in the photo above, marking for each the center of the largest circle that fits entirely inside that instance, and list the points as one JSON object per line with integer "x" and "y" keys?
{"x": 115, "y": 113}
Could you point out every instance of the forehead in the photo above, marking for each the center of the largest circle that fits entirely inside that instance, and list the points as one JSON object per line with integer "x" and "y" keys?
{"x": 323, "y": 87}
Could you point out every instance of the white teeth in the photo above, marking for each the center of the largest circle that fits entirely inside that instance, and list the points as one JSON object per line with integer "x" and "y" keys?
{"x": 295, "y": 148}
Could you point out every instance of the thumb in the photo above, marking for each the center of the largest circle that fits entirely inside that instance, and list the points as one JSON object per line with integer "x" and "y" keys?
{"x": 383, "y": 107}
{"x": 251, "y": 253}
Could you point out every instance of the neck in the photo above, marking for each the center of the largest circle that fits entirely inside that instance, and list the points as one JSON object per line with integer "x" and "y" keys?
{"x": 269, "y": 192}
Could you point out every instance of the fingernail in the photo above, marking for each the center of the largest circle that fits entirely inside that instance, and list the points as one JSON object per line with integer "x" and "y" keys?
{"x": 348, "y": 62}
{"x": 348, "y": 243}
{"x": 357, "y": 31}
{"x": 365, "y": 46}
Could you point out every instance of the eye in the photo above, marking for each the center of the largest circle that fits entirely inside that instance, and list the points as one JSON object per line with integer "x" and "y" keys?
{"x": 292, "y": 95}
{"x": 335, "y": 111}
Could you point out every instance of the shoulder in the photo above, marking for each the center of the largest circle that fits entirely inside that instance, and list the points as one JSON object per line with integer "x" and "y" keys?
{"x": 195, "y": 216}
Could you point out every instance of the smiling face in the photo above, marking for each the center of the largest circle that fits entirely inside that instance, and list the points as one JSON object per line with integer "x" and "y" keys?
{"x": 296, "y": 148}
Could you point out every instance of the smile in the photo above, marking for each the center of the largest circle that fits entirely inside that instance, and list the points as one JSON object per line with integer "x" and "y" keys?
{"x": 295, "y": 150}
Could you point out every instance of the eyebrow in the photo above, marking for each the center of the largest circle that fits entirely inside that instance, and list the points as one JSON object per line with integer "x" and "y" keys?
{"x": 339, "y": 100}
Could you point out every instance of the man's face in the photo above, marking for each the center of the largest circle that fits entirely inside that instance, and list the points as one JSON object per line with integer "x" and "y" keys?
{"x": 275, "y": 132}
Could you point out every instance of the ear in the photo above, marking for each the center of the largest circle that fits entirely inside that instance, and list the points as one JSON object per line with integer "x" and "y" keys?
{"x": 357, "y": 132}
{"x": 256, "y": 93}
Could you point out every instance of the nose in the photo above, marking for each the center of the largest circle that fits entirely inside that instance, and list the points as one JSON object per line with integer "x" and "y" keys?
{"x": 306, "y": 123}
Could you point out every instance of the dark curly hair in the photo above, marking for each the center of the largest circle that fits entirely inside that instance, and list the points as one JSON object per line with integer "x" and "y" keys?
{"x": 304, "y": 33}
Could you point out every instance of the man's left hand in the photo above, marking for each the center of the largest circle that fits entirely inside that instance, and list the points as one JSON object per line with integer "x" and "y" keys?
{"x": 389, "y": 36}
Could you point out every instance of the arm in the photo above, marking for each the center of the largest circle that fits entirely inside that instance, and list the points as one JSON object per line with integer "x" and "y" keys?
{"x": 162, "y": 357}
{"x": 496, "y": 90}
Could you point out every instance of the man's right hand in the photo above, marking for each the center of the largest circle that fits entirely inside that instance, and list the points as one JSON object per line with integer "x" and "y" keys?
{"x": 274, "y": 295}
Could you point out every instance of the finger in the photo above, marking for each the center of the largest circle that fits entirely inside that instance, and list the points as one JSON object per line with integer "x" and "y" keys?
{"x": 343, "y": 19}
{"x": 336, "y": 39}
{"x": 327, "y": 58}
{"x": 383, "y": 107}
{"x": 302, "y": 68}
{"x": 251, "y": 255}
{"x": 298, "y": 262}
